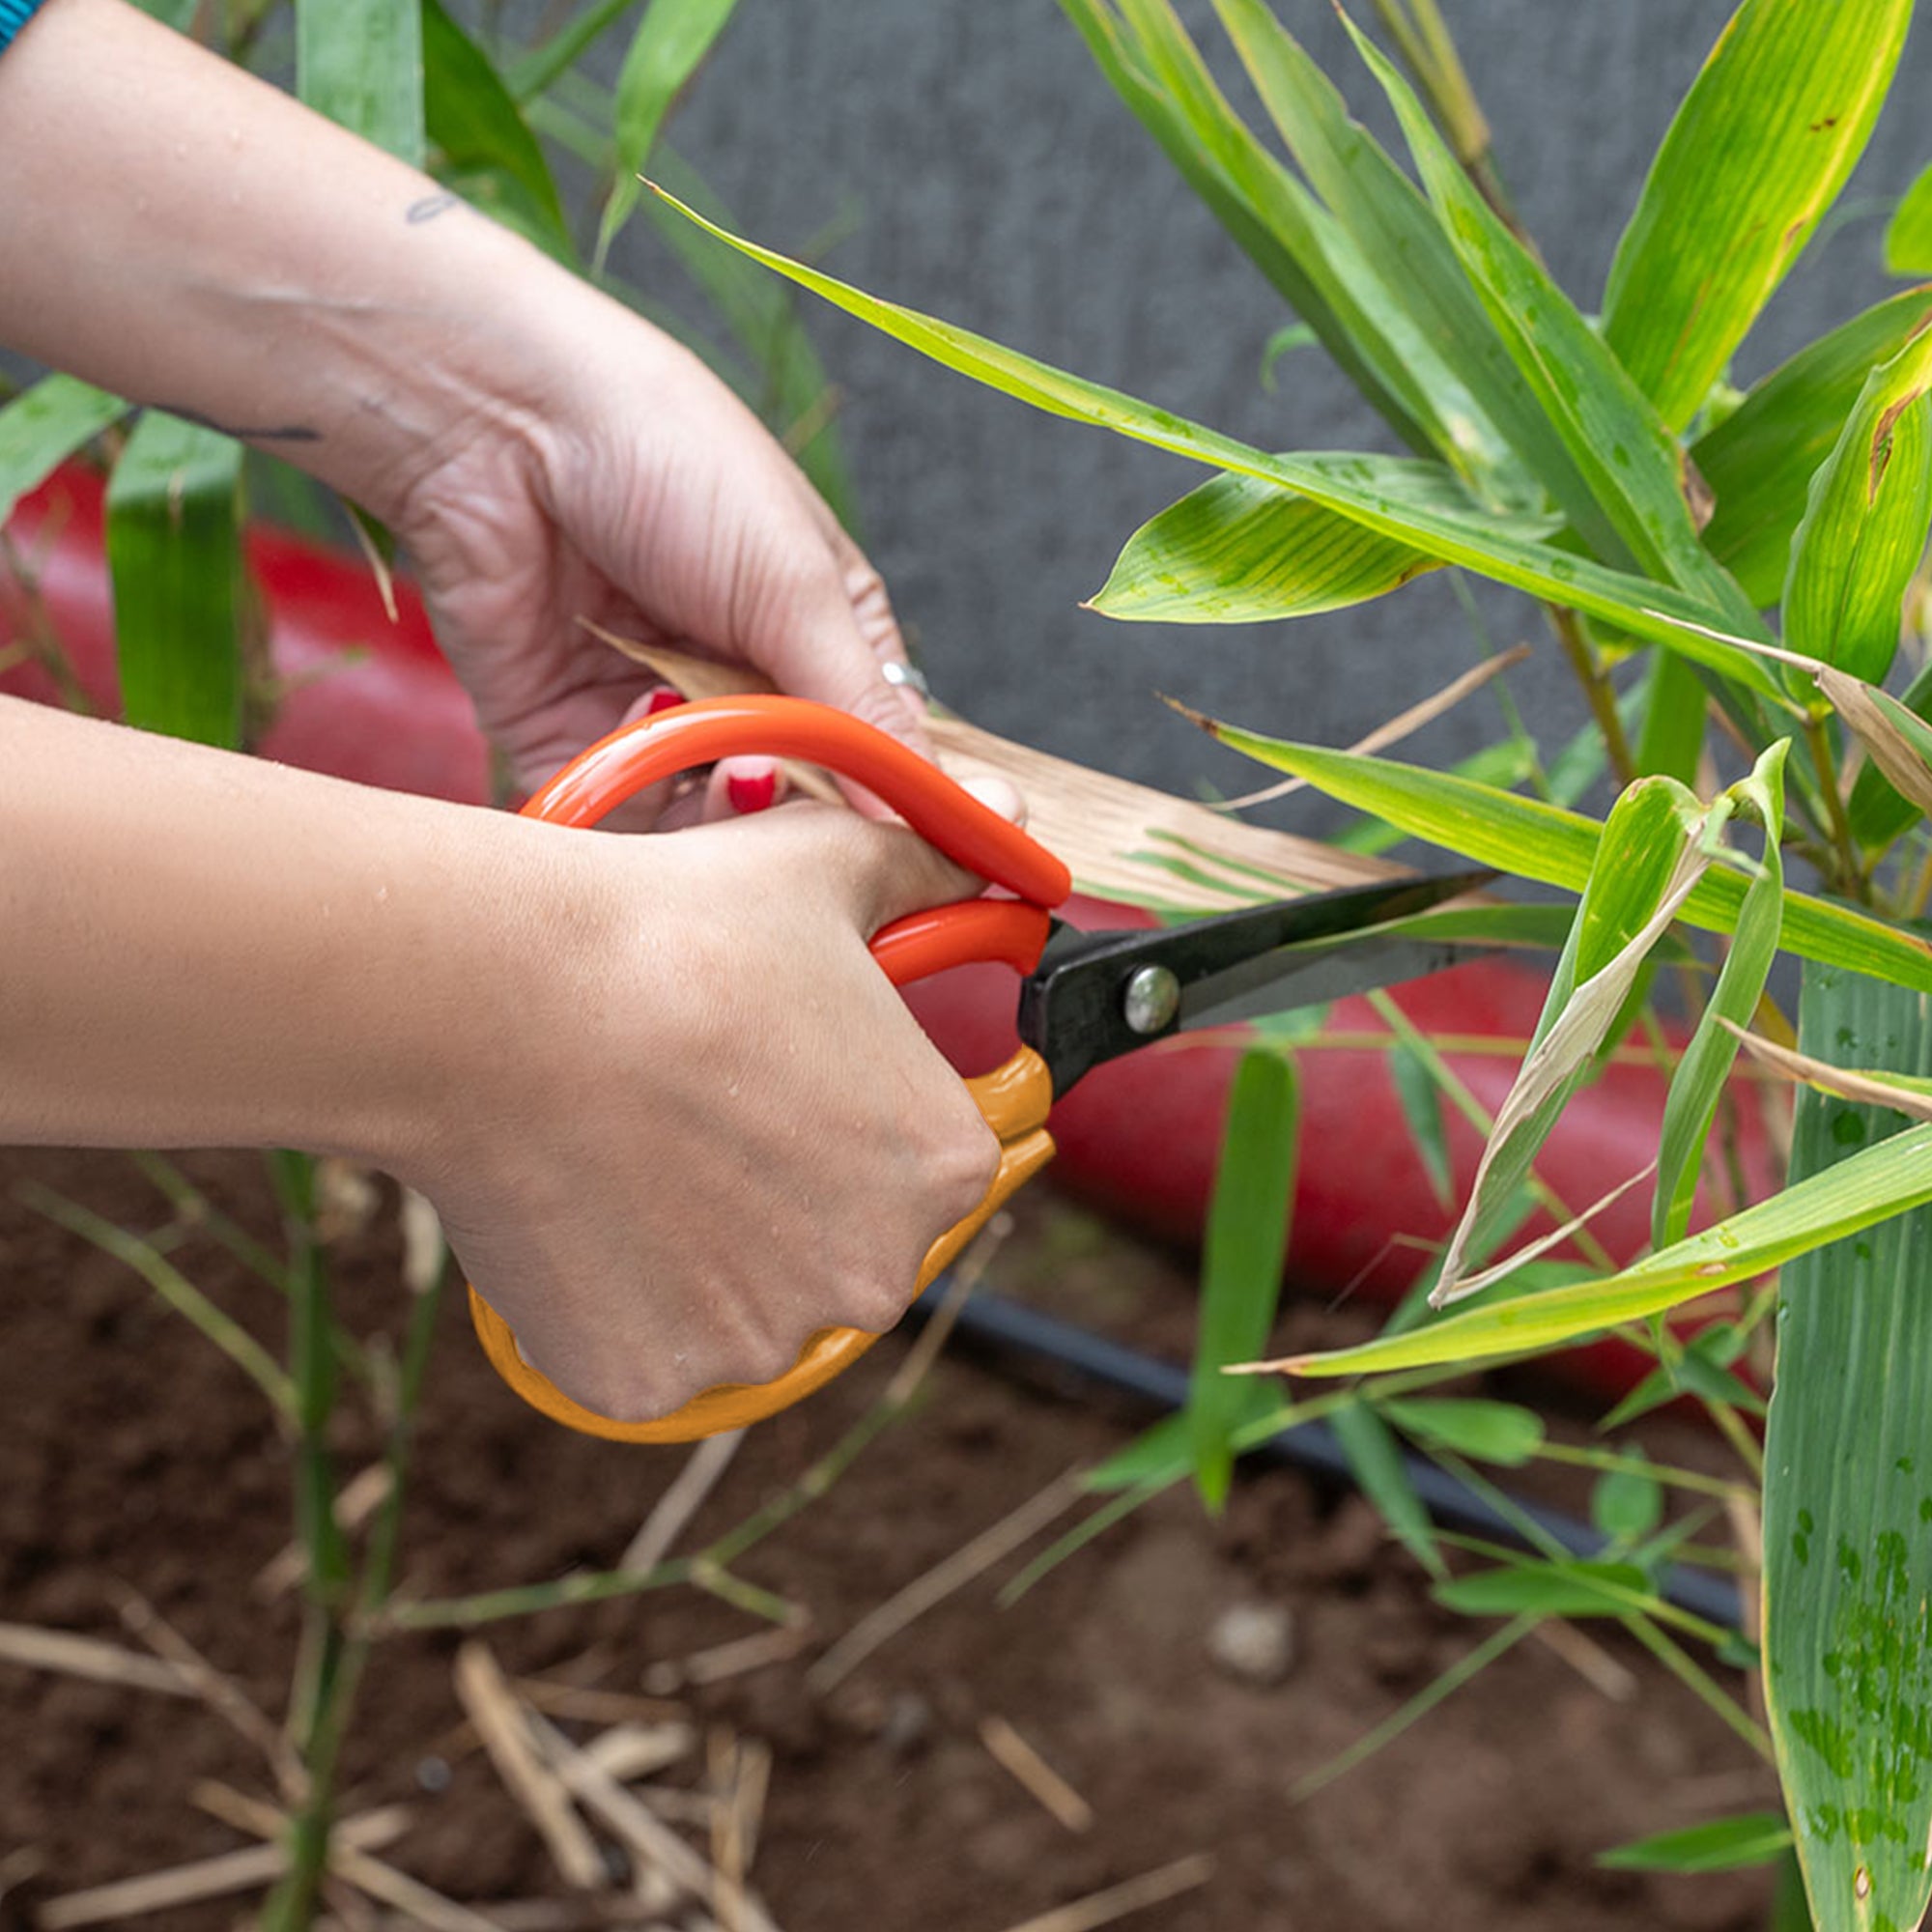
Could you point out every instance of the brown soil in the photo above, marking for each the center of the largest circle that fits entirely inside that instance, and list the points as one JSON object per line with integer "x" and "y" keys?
{"x": 130, "y": 1452}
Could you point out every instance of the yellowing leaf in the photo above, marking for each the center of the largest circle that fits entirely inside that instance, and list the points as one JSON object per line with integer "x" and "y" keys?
{"x": 1757, "y": 153}
{"x": 1864, "y": 522}
{"x": 1653, "y": 814}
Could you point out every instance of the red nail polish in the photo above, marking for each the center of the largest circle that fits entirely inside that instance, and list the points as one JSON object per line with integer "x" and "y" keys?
{"x": 662, "y": 699}
{"x": 751, "y": 794}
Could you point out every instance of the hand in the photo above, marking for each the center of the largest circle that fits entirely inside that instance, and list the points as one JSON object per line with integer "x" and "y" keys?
{"x": 545, "y": 454}
{"x": 712, "y": 1127}
{"x": 638, "y": 492}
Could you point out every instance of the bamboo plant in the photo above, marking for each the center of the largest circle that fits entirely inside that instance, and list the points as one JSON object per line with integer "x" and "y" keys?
{"x": 1734, "y": 577}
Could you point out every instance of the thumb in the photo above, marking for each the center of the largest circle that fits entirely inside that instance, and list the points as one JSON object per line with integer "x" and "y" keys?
{"x": 894, "y": 871}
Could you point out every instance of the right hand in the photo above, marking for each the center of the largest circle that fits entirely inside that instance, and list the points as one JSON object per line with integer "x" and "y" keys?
{"x": 704, "y": 1125}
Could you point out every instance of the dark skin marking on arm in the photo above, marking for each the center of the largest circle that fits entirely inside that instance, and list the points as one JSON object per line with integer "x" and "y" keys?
{"x": 428, "y": 209}
{"x": 247, "y": 432}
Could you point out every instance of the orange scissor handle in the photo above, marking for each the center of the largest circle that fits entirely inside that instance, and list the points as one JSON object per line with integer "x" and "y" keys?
{"x": 1014, "y": 1098}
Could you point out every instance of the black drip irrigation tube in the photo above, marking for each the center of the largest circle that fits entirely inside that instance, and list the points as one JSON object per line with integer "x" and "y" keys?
{"x": 1009, "y": 1327}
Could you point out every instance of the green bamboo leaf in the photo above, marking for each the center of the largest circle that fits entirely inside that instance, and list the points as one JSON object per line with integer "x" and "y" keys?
{"x": 1627, "y": 1505}
{"x": 1472, "y": 384}
{"x": 1908, "y": 235}
{"x": 1758, "y": 463}
{"x": 1878, "y": 809}
{"x": 1352, "y": 485}
{"x": 42, "y": 426}
{"x": 1464, "y": 1670}
{"x": 1542, "y": 929}
{"x": 1290, "y": 239}
{"x": 1422, "y": 1113}
{"x": 1501, "y": 1432}
{"x": 1238, "y": 550}
{"x": 1757, "y": 153}
{"x": 792, "y": 387}
{"x": 1873, "y": 1185}
{"x": 1569, "y": 1589}
{"x": 1241, "y": 1261}
{"x": 1629, "y": 462}
{"x": 173, "y": 550}
{"x": 1531, "y": 839}
{"x": 1697, "y": 1084}
{"x": 1725, "y": 1844}
{"x": 1848, "y": 1497}
{"x": 1650, "y": 856}
{"x": 1505, "y": 766}
{"x": 671, "y": 43}
{"x": 486, "y": 149}
{"x": 174, "y": 1288}
{"x": 1161, "y": 1453}
{"x": 176, "y": 14}
{"x": 538, "y": 68}
{"x": 1295, "y": 335}
{"x": 1375, "y": 1459}
{"x": 361, "y": 61}
{"x": 1376, "y": 313}
{"x": 1703, "y": 1370}
{"x": 1865, "y": 524}
{"x": 1671, "y": 741}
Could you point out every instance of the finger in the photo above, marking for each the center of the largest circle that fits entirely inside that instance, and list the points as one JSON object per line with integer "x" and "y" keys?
{"x": 644, "y": 810}
{"x": 891, "y": 871}
{"x": 740, "y": 787}
{"x": 872, "y": 613}
{"x": 828, "y": 635}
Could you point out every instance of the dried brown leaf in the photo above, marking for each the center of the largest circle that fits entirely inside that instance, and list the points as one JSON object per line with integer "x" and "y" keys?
{"x": 1863, "y": 709}
{"x": 1134, "y": 1894}
{"x": 1122, "y": 841}
{"x": 69, "y": 1654}
{"x": 1044, "y": 1785}
{"x": 1576, "y": 1033}
{"x": 1847, "y": 1083}
{"x": 504, "y": 1723}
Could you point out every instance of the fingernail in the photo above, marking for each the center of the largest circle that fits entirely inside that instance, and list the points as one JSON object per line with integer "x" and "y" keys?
{"x": 751, "y": 794}
{"x": 662, "y": 699}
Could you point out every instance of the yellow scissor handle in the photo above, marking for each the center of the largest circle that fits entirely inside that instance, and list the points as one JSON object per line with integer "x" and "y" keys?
{"x": 1014, "y": 1098}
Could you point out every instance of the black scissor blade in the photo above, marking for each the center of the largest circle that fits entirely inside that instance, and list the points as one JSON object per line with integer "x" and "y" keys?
{"x": 1075, "y": 1010}
{"x": 1313, "y": 976}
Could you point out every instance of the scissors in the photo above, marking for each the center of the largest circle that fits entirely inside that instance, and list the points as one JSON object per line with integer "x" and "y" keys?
{"x": 1085, "y": 997}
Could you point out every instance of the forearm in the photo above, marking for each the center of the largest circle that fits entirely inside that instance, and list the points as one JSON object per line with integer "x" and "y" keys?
{"x": 183, "y": 233}
{"x": 209, "y": 950}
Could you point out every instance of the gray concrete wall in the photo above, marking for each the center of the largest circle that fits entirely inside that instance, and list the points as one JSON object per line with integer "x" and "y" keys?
{"x": 998, "y": 182}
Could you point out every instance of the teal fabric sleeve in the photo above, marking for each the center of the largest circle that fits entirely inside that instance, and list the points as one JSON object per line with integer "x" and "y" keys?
{"x": 13, "y": 18}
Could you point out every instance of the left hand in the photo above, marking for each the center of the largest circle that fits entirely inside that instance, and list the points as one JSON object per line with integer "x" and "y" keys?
{"x": 545, "y": 454}
{"x": 641, "y": 493}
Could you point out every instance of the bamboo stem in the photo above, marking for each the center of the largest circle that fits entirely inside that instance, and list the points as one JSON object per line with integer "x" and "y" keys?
{"x": 173, "y": 1286}
{"x": 1851, "y": 880}
{"x": 315, "y": 1719}
{"x": 1598, "y": 690}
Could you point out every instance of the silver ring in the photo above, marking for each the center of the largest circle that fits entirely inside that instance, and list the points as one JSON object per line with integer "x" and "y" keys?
{"x": 910, "y": 676}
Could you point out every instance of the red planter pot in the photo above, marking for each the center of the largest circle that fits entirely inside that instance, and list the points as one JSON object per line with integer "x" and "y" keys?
{"x": 372, "y": 699}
